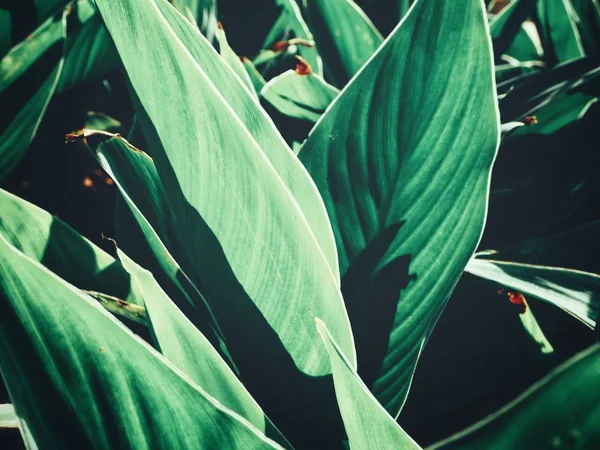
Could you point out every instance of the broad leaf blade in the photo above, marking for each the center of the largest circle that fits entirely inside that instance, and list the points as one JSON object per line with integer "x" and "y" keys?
{"x": 367, "y": 423}
{"x": 73, "y": 372}
{"x": 246, "y": 241}
{"x": 218, "y": 75}
{"x": 412, "y": 139}
{"x": 186, "y": 347}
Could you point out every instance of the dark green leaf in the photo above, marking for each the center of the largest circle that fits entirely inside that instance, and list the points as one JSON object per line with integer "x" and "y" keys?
{"x": 411, "y": 139}
{"x": 558, "y": 412}
{"x": 558, "y": 30}
{"x": 344, "y": 35}
{"x": 62, "y": 250}
{"x": 80, "y": 379}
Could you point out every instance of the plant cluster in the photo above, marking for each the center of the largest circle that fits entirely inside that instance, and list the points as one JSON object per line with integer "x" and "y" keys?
{"x": 297, "y": 199}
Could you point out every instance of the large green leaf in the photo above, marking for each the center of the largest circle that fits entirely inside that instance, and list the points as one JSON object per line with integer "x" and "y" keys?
{"x": 410, "y": 141}
{"x": 29, "y": 74}
{"x": 558, "y": 30}
{"x": 185, "y": 346}
{"x": 80, "y": 379}
{"x": 344, "y": 35}
{"x": 576, "y": 292}
{"x": 245, "y": 240}
{"x": 367, "y": 423}
{"x": 61, "y": 249}
{"x": 561, "y": 411}
{"x": 218, "y": 75}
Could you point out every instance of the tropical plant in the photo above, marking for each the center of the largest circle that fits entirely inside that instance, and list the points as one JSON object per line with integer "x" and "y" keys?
{"x": 297, "y": 199}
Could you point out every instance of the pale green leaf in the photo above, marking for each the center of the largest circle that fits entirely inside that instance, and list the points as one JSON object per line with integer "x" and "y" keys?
{"x": 402, "y": 158}
{"x": 367, "y": 423}
{"x": 300, "y": 96}
{"x": 73, "y": 373}
{"x": 233, "y": 60}
{"x": 8, "y": 417}
{"x": 187, "y": 348}
{"x": 246, "y": 241}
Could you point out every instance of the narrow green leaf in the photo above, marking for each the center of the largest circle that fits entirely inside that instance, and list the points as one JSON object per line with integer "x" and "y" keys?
{"x": 186, "y": 347}
{"x": 233, "y": 60}
{"x": 301, "y": 96}
{"x": 61, "y": 249}
{"x": 559, "y": 411}
{"x": 506, "y": 26}
{"x": 587, "y": 18}
{"x": 344, "y": 35}
{"x": 147, "y": 233}
{"x": 367, "y": 423}
{"x": 534, "y": 330}
{"x": 558, "y": 29}
{"x": 29, "y": 74}
{"x": 410, "y": 141}
{"x": 576, "y": 292}
{"x": 73, "y": 373}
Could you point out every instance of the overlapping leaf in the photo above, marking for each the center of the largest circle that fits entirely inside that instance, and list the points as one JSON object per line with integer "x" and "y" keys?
{"x": 402, "y": 159}
{"x": 561, "y": 410}
{"x": 62, "y": 250}
{"x": 246, "y": 241}
{"x": 344, "y": 35}
{"x": 185, "y": 346}
{"x": 78, "y": 378}
{"x": 558, "y": 29}
{"x": 367, "y": 423}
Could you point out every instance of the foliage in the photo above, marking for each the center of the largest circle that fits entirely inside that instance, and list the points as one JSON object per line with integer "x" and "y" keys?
{"x": 303, "y": 186}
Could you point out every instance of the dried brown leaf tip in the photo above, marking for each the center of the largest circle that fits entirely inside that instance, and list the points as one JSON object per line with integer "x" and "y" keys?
{"x": 529, "y": 120}
{"x": 516, "y": 298}
{"x": 220, "y": 25}
{"x": 302, "y": 67}
{"x": 74, "y": 137}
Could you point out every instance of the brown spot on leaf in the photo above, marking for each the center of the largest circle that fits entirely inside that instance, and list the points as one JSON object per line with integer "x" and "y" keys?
{"x": 529, "y": 120}
{"x": 302, "y": 67}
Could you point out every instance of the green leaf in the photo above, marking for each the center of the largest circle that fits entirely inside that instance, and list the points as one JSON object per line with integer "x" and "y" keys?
{"x": 73, "y": 372}
{"x": 233, "y": 60}
{"x": 216, "y": 74}
{"x": 558, "y": 29}
{"x": 29, "y": 15}
{"x": 559, "y": 411}
{"x": 61, "y": 249}
{"x": 187, "y": 348}
{"x": 255, "y": 77}
{"x": 244, "y": 238}
{"x": 367, "y": 423}
{"x": 410, "y": 140}
{"x": 66, "y": 50}
{"x": 147, "y": 233}
{"x": 29, "y": 74}
{"x": 587, "y": 18}
{"x": 301, "y": 96}
{"x": 506, "y": 26}
{"x": 344, "y": 35}
{"x": 576, "y": 292}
